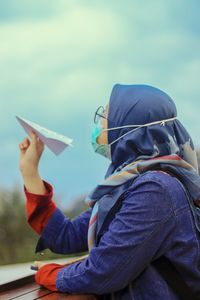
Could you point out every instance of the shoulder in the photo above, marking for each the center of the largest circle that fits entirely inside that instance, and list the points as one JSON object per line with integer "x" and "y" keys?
{"x": 157, "y": 179}
{"x": 156, "y": 189}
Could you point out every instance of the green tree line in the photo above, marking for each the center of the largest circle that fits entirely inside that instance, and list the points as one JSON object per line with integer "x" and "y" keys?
{"x": 17, "y": 239}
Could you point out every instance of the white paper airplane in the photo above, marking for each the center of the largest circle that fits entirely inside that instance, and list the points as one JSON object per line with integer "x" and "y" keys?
{"x": 54, "y": 141}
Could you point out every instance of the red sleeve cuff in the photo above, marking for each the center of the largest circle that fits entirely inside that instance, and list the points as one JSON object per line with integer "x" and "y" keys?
{"x": 46, "y": 276}
{"x": 39, "y": 208}
{"x": 49, "y": 191}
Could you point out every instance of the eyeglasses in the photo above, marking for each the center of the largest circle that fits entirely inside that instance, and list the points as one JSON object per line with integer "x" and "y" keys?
{"x": 99, "y": 114}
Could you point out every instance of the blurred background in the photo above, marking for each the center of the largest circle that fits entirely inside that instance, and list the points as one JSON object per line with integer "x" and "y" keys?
{"x": 59, "y": 61}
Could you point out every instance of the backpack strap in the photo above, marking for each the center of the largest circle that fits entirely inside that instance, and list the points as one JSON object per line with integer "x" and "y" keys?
{"x": 173, "y": 279}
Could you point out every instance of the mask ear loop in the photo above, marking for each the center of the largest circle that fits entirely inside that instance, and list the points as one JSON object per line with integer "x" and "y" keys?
{"x": 134, "y": 129}
{"x": 161, "y": 122}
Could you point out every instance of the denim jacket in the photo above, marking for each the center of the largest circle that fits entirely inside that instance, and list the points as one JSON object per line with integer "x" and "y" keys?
{"x": 151, "y": 220}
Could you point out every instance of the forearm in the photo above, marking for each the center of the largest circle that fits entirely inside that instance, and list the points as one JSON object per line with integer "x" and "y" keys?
{"x": 65, "y": 236}
{"x": 34, "y": 184}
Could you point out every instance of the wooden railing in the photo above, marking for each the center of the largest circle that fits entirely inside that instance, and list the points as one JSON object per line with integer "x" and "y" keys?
{"x": 27, "y": 289}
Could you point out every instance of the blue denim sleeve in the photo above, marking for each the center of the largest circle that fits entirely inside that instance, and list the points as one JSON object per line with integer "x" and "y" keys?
{"x": 134, "y": 238}
{"x": 65, "y": 236}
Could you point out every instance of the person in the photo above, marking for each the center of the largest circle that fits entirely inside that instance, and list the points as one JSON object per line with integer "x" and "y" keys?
{"x": 146, "y": 207}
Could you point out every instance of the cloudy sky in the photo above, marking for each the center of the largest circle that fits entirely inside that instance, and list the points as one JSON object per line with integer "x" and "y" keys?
{"x": 60, "y": 59}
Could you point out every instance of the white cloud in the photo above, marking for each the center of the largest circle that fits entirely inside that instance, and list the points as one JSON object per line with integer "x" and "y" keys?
{"x": 47, "y": 60}
{"x": 75, "y": 35}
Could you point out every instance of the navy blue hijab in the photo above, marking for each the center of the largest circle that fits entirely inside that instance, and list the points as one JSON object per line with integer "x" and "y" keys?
{"x": 141, "y": 104}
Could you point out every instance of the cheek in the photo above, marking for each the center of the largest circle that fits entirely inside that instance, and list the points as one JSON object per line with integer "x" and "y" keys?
{"x": 103, "y": 138}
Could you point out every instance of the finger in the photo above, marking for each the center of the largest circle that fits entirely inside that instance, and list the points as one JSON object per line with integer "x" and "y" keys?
{"x": 38, "y": 264}
{"x": 40, "y": 143}
{"x": 25, "y": 143}
{"x": 34, "y": 137}
{"x": 21, "y": 147}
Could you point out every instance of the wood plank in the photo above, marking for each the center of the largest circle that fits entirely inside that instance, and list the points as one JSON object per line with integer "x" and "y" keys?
{"x": 24, "y": 287}
{"x": 62, "y": 296}
{"x": 29, "y": 291}
{"x": 16, "y": 292}
{"x": 16, "y": 283}
{"x": 31, "y": 295}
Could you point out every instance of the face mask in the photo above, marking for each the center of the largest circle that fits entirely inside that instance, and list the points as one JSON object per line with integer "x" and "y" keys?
{"x": 105, "y": 149}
